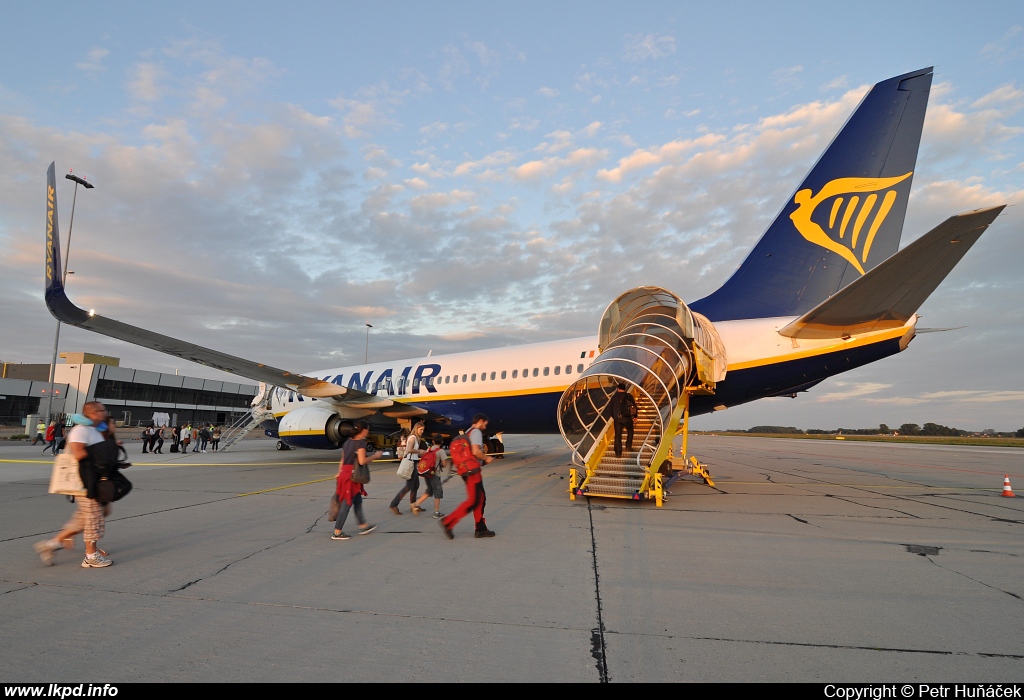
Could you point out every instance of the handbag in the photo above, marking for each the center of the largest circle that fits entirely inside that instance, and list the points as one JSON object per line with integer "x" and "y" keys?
{"x": 360, "y": 473}
{"x": 406, "y": 468}
{"x": 65, "y": 477}
{"x": 112, "y": 488}
{"x": 334, "y": 507}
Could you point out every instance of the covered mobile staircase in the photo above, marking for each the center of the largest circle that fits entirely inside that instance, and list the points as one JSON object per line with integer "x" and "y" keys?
{"x": 663, "y": 353}
{"x": 247, "y": 422}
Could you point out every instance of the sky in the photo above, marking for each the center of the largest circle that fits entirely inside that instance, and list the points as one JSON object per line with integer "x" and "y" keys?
{"x": 270, "y": 177}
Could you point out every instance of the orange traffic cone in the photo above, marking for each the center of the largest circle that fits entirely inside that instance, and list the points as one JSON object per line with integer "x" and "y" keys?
{"x": 1007, "y": 491}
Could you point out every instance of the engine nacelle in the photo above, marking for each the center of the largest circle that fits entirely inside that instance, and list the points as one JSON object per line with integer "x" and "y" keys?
{"x": 315, "y": 427}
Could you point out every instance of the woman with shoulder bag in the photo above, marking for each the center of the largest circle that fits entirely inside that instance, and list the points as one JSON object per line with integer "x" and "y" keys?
{"x": 94, "y": 445}
{"x": 350, "y": 491}
{"x": 412, "y": 483}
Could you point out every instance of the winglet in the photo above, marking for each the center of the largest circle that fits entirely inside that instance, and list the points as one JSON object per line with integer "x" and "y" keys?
{"x": 56, "y": 300}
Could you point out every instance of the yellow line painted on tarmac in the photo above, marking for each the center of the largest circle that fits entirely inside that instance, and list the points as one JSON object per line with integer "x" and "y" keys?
{"x": 184, "y": 464}
{"x": 860, "y": 486}
{"x": 289, "y": 486}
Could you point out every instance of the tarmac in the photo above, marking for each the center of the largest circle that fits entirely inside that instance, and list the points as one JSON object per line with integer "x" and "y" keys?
{"x": 822, "y": 561}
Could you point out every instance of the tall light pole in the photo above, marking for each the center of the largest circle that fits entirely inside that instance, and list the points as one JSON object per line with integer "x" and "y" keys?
{"x": 56, "y": 338}
{"x": 366, "y": 360}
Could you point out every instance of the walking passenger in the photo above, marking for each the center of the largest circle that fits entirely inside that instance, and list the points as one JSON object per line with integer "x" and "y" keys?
{"x": 58, "y": 437}
{"x": 215, "y": 439}
{"x": 159, "y": 440}
{"x": 95, "y": 448}
{"x": 412, "y": 484}
{"x": 186, "y": 437}
{"x": 624, "y": 412}
{"x": 431, "y": 463}
{"x": 49, "y": 438}
{"x": 350, "y": 494}
{"x": 204, "y": 437}
{"x": 469, "y": 463}
{"x": 40, "y": 436}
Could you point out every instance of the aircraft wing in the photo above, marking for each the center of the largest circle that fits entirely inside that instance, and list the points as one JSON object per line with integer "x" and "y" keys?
{"x": 67, "y": 312}
{"x": 888, "y": 295}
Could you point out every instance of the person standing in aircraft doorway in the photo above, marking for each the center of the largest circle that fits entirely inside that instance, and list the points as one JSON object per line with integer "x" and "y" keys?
{"x": 623, "y": 413}
{"x": 412, "y": 485}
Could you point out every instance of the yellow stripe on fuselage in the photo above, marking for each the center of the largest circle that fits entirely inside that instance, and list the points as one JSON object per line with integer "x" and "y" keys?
{"x": 879, "y": 337}
{"x": 838, "y": 345}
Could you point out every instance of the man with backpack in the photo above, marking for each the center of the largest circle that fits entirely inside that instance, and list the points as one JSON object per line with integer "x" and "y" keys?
{"x": 624, "y": 411}
{"x": 467, "y": 452}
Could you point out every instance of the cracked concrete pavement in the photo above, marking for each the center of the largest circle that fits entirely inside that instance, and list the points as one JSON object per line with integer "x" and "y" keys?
{"x": 796, "y": 567}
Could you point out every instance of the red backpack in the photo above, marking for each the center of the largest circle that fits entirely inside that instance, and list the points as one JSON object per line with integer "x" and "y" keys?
{"x": 427, "y": 463}
{"x": 461, "y": 452}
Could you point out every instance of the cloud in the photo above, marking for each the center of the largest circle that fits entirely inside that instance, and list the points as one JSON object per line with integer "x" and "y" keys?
{"x": 145, "y": 82}
{"x": 645, "y": 47}
{"x": 491, "y": 160}
{"x": 855, "y": 391}
{"x": 546, "y": 167}
{"x": 788, "y": 77}
{"x": 669, "y": 152}
{"x": 434, "y": 129}
{"x": 93, "y": 63}
{"x": 548, "y": 92}
{"x": 1006, "y": 48}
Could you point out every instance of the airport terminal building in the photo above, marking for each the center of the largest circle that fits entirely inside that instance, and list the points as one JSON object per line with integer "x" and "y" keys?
{"x": 131, "y": 395}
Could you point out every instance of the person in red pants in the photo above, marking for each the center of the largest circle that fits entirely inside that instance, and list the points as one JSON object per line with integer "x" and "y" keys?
{"x": 469, "y": 463}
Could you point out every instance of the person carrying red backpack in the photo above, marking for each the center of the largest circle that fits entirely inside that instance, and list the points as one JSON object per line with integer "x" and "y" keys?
{"x": 429, "y": 467}
{"x": 467, "y": 452}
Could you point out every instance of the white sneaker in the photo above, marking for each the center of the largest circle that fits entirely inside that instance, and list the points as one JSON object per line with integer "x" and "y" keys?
{"x": 95, "y": 561}
{"x": 45, "y": 550}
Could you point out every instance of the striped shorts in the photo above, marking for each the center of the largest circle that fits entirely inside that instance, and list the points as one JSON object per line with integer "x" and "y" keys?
{"x": 87, "y": 519}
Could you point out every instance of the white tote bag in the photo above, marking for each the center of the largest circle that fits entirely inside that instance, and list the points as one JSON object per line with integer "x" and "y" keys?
{"x": 406, "y": 468}
{"x": 65, "y": 478}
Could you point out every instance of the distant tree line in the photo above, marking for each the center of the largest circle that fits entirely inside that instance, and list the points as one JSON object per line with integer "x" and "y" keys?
{"x": 928, "y": 429}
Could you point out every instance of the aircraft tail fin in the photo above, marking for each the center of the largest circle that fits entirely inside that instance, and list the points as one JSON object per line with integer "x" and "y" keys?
{"x": 887, "y": 296}
{"x": 845, "y": 218}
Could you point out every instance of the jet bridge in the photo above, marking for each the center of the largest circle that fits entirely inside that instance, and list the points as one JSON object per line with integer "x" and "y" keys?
{"x": 663, "y": 352}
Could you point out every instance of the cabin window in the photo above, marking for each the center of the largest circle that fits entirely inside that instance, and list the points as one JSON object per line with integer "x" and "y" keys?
{"x": 463, "y": 377}
{"x": 526, "y": 373}
{"x": 579, "y": 369}
{"x": 515, "y": 374}
{"x": 483, "y": 376}
{"x": 558, "y": 370}
{"x": 455, "y": 379}
{"x": 492, "y": 376}
{"x": 446, "y": 378}
{"x": 503, "y": 374}
{"x": 568, "y": 369}
{"x": 547, "y": 370}
{"x": 474, "y": 376}
{"x": 535, "y": 371}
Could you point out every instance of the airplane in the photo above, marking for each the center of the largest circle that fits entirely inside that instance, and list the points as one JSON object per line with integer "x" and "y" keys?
{"x": 825, "y": 290}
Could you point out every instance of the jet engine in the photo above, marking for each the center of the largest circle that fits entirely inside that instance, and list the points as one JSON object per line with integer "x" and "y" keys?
{"x": 315, "y": 427}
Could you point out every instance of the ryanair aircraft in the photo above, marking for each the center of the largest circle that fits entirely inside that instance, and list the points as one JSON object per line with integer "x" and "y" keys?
{"x": 823, "y": 291}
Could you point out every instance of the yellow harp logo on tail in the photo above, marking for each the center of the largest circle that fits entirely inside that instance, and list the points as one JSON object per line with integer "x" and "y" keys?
{"x": 840, "y": 216}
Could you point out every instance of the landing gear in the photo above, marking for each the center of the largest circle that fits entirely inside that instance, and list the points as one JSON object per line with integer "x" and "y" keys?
{"x": 495, "y": 447}
{"x": 281, "y": 446}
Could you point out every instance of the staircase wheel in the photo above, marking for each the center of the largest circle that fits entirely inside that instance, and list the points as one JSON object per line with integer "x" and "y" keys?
{"x": 281, "y": 446}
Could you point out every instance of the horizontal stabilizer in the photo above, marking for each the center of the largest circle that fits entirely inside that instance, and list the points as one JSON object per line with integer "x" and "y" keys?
{"x": 887, "y": 296}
